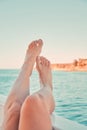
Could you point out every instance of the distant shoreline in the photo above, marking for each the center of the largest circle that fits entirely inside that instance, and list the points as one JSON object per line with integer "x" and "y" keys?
{"x": 69, "y": 69}
{"x": 76, "y": 65}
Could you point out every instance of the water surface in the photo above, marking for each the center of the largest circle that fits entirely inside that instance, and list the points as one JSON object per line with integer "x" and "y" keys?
{"x": 70, "y": 91}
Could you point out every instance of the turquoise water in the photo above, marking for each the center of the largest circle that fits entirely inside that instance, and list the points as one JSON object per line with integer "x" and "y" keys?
{"x": 70, "y": 92}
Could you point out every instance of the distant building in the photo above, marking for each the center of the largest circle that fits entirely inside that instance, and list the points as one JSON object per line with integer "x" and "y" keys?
{"x": 82, "y": 62}
{"x": 75, "y": 65}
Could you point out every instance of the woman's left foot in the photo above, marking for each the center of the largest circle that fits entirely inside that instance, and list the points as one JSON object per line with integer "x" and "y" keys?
{"x": 44, "y": 68}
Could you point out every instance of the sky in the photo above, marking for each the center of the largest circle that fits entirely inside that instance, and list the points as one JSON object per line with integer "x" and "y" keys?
{"x": 61, "y": 24}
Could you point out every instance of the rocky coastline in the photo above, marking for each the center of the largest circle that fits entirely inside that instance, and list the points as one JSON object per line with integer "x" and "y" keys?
{"x": 76, "y": 65}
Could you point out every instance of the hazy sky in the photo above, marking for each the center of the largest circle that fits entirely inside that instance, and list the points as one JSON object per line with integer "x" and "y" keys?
{"x": 62, "y": 24}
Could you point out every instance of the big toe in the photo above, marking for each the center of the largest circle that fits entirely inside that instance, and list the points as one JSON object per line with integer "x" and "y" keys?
{"x": 40, "y": 42}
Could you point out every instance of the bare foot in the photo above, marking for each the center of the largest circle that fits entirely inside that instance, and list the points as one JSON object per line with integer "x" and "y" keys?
{"x": 44, "y": 68}
{"x": 33, "y": 51}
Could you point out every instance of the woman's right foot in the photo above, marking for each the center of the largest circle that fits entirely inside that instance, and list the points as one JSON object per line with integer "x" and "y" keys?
{"x": 33, "y": 51}
{"x": 44, "y": 68}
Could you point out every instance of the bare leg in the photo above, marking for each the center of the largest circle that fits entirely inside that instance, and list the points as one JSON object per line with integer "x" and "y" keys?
{"x": 20, "y": 89}
{"x": 45, "y": 75}
{"x": 36, "y": 109}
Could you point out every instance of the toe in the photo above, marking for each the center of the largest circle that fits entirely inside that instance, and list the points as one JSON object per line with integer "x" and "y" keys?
{"x": 40, "y": 42}
{"x": 37, "y": 43}
{"x": 47, "y": 63}
{"x": 32, "y": 44}
{"x": 42, "y": 60}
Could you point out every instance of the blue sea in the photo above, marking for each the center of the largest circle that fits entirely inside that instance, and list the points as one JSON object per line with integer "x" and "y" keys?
{"x": 70, "y": 92}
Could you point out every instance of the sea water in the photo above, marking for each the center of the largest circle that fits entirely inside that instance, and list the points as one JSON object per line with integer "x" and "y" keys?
{"x": 69, "y": 90}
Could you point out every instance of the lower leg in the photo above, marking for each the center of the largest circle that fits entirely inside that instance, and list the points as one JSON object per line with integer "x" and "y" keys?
{"x": 20, "y": 89}
{"x": 45, "y": 75}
